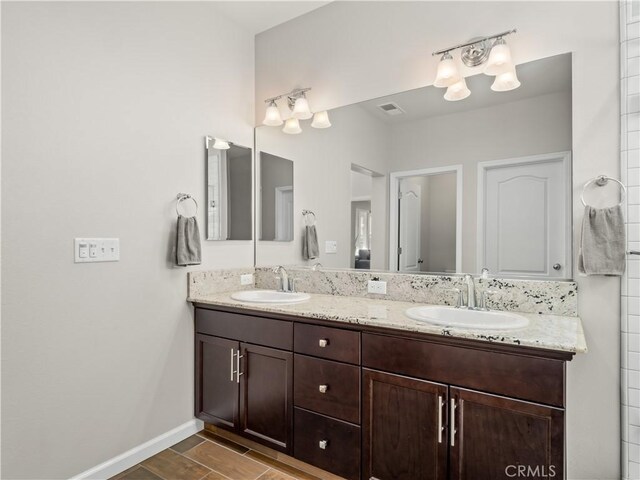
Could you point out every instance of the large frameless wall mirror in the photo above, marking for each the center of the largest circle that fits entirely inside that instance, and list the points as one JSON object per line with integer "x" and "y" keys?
{"x": 415, "y": 183}
{"x": 229, "y": 191}
{"x": 276, "y": 198}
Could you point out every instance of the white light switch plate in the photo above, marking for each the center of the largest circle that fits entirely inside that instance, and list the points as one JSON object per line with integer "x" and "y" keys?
{"x": 376, "y": 286}
{"x": 86, "y": 250}
{"x": 246, "y": 279}
{"x": 330, "y": 246}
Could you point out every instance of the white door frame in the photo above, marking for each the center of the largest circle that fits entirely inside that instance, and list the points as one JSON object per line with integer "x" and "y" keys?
{"x": 394, "y": 187}
{"x": 280, "y": 191}
{"x": 483, "y": 167}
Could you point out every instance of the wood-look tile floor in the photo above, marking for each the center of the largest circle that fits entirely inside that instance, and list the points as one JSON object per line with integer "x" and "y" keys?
{"x": 206, "y": 456}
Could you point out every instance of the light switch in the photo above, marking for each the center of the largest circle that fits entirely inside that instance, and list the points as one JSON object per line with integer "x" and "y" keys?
{"x": 330, "y": 246}
{"x": 96, "y": 250}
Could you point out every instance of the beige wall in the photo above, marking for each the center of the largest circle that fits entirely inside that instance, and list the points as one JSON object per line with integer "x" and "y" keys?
{"x": 353, "y": 51}
{"x": 105, "y": 109}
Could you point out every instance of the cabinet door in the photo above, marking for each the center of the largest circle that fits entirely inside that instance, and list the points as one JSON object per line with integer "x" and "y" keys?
{"x": 496, "y": 437}
{"x": 404, "y": 428}
{"x": 266, "y": 396}
{"x": 216, "y": 384}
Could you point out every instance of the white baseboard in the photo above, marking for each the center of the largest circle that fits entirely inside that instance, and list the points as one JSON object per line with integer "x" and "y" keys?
{"x": 137, "y": 454}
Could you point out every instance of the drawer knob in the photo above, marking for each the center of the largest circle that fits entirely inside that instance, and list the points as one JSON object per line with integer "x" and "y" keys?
{"x": 323, "y": 388}
{"x": 323, "y": 444}
{"x": 323, "y": 342}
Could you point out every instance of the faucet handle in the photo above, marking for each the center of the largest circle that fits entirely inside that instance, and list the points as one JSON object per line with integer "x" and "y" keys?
{"x": 484, "y": 296}
{"x": 460, "y": 299}
{"x": 292, "y": 284}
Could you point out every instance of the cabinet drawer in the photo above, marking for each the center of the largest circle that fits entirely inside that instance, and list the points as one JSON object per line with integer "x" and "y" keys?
{"x": 340, "y": 398}
{"x": 327, "y": 342}
{"x": 341, "y": 452}
{"x": 520, "y": 376}
{"x": 245, "y": 328}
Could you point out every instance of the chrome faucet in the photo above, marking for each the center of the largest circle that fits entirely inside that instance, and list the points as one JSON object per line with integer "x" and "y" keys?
{"x": 471, "y": 292}
{"x": 286, "y": 285}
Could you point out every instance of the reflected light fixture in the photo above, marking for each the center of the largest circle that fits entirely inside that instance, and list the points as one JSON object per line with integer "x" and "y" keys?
{"x": 300, "y": 110}
{"x": 478, "y": 51}
{"x": 220, "y": 144}
{"x": 321, "y": 120}
{"x": 457, "y": 91}
{"x": 292, "y": 126}
{"x": 272, "y": 117}
{"x": 448, "y": 73}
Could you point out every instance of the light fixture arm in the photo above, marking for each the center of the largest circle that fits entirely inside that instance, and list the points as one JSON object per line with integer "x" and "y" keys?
{"x": 473, "y": 42}
{"x": 293, "y": 94}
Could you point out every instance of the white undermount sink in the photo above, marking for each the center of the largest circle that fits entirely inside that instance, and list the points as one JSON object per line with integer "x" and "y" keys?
{"x": 463, "y": 318}
{"x": 269, "y": 296}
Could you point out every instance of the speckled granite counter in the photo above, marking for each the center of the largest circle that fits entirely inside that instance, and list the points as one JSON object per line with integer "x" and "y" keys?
{"x": 551, "y": 332}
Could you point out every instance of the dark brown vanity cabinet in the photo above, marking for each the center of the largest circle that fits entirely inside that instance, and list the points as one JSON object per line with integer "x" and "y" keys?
{"x": 243, "y": 387}
{"x": 378, "y": 404}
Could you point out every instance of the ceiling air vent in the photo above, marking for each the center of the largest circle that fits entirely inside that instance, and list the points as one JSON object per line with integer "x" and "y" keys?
{"x": 391, "y": 109}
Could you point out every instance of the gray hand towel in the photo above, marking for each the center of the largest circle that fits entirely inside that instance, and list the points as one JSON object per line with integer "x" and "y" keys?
{"x": 188, "y": 251}
{"x": 602, "y": 247}
{"x": 310, "y": 249}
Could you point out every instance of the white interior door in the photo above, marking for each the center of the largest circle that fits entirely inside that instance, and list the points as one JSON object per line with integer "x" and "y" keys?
{"x": 524, "y": 217}
{"x": 409, "y": 227}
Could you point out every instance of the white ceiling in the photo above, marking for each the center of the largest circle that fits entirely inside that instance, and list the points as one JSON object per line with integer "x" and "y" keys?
{"x": 548, "y": 75}
{"x": 257, "y": 17}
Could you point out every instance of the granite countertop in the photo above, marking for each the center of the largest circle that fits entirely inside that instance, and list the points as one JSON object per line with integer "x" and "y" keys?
{"x": 551, "y": 332}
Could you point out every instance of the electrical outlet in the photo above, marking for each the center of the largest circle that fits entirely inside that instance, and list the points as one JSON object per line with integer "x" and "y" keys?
{"x": 377, "y": 286}
{"x": 330, "y": 246}
{"x": 246, "y": 279}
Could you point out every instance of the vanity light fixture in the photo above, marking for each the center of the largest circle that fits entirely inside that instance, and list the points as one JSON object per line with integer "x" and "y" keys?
{"x": 300, "y": 110}
{"x": 292, "y": 126}
{"x": 321, "y": 120}
{"x": 476, "y": 52}
{"x": 220, "y": 144}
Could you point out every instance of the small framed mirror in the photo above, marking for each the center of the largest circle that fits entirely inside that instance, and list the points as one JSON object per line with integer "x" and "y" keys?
{"x": 276, "y": 198}
{"x": 229, "y": 190}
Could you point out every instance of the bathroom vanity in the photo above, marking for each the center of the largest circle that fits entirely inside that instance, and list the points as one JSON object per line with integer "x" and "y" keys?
{"x": 366, "y": 400}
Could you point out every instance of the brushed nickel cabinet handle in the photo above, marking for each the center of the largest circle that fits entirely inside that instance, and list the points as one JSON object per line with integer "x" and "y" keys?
{"x": 453, "y": 422}
{"x": 323, "y": 444}
{"x": 440, "y": 427}
{"x": 238, "y": 372}
{"x": 231, "y": 364}
{"x": 323, "y": 388}
{"x": 323, "y": 342}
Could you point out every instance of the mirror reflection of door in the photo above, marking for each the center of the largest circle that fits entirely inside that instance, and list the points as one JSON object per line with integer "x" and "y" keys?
{"x": 524, "y": 216}
{"x": 427, "y": 227}
{"x": 361, "y": 217}
{"x": 276, "y": 198}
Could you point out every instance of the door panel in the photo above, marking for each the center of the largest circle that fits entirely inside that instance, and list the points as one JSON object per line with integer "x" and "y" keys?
{"x": 525, "y": 217}
{"x": 401, "y": 440}
{"x": 216, "y": 386}
{"x": 266, "y": 396}
{"x": 500, "y": 438}
{"x": 410, "y": 221}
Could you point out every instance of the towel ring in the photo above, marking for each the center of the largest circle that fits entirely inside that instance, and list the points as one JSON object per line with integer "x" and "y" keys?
{"x": 306, "y": 214}
{"x": 601, "y": 181}
{"x": 181, "y": 198}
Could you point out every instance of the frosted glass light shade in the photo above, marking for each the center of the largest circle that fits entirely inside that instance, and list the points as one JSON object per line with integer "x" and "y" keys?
{"x": 457, "y": 91}
{"x": 301, "y": 109}
{"x": 292, "y": 126}
{"x": 506, "y": 81}
{"x": 499, "y": 61}
{"x": 272, "y": 117}
{"x": 321, "y": 120}
{"x": 448, "y": 73}
{"x": 220, "y": 144}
